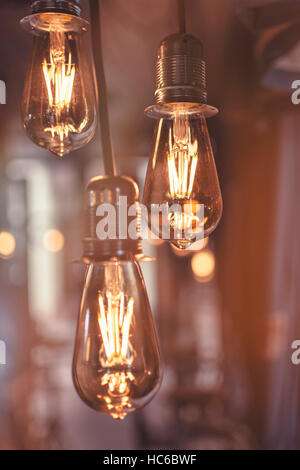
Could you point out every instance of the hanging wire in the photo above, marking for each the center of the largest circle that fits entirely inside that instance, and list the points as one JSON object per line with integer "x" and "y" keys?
{"x": 108, "y": 155}
{"x": 181, "y": 16}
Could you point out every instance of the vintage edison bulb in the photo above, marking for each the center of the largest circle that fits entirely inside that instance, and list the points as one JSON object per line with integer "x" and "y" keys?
{"x": 182, "y": 177}
{"x": 58, "y": 107}
{"x": 116, "y": 364}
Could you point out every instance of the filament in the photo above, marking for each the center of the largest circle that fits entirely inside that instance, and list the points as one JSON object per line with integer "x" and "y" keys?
{"x": 182, "y": 160}
{"x": 59, "y": 75}
{"x": 115, "y": 320}
{"x": 126, "y": 328}
{"x": 193, "y": 172}
{"x": 103, "y": 327}
{"x": 121, "y": 310}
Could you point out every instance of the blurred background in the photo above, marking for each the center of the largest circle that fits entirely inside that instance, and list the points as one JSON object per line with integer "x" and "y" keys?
{"x": 226, "y": 315}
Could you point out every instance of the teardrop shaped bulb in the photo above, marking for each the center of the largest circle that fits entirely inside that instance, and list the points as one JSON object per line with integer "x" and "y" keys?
{"x": 182, "y": 181}
{"x": 116, "y": 364}
{"x": 58, "y": 106}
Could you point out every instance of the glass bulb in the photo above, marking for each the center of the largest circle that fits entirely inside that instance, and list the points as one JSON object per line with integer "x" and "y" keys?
{"x": 182, "y": 176}
{"x": 116, "y": 364}
{"x": 58, "y": 107}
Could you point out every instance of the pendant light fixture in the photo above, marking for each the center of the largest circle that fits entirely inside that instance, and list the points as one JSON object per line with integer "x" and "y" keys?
{"x": 116, "y": 363}
{"x": 58, "y": 107}
{"x": 181, "y": 184}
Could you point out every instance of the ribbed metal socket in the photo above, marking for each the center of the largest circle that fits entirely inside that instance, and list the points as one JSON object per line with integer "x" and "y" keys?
{"x": 180, "y": 78}
{"x": 109, "y": 190}
{"x": 180, "y": 70}
{"x": 70, "y": 7}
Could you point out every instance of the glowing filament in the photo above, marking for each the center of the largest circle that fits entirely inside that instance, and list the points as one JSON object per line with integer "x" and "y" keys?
{"x": 59, "y": 75}
{"x": 182, "y": 169}
{"x": 183, "y": 221}
{"x": 117, "y": 401}
{"x": 114, "y": 323}
{"x": 59, "y": 82}
{"x": 182, "y": 159}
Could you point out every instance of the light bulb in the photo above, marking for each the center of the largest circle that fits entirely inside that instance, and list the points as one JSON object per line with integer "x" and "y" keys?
{"x": 58, "y": 107}
{"x": 116, "y": 364}
{"x": 182, "y": 175}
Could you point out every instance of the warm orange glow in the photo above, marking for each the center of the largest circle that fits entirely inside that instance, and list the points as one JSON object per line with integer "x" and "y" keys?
{"x": 182, "y": 160}
{"x": 53, "y": 240}
{"x": 59, "y": 75}
{"x": 114, "y": 321}
{"x": 203, "y": 265}
{"x": 59, "y": 79}
{"x": 7, "y": 244}
{"x": 182, "y": 171}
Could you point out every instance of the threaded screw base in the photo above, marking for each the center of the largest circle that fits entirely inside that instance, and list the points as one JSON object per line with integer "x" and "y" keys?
{"x": 71, "y": 7}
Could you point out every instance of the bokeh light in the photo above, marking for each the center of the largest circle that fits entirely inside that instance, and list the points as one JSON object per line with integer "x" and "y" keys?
{"x": 203, "y": 265}
{"x": 53, "y": 240}
{"x": 7, "y": 244}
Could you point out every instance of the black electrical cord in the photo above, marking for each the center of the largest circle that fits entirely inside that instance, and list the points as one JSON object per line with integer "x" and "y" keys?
{"x": 181, "y": 16}
{"x": 108, "y": 156}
